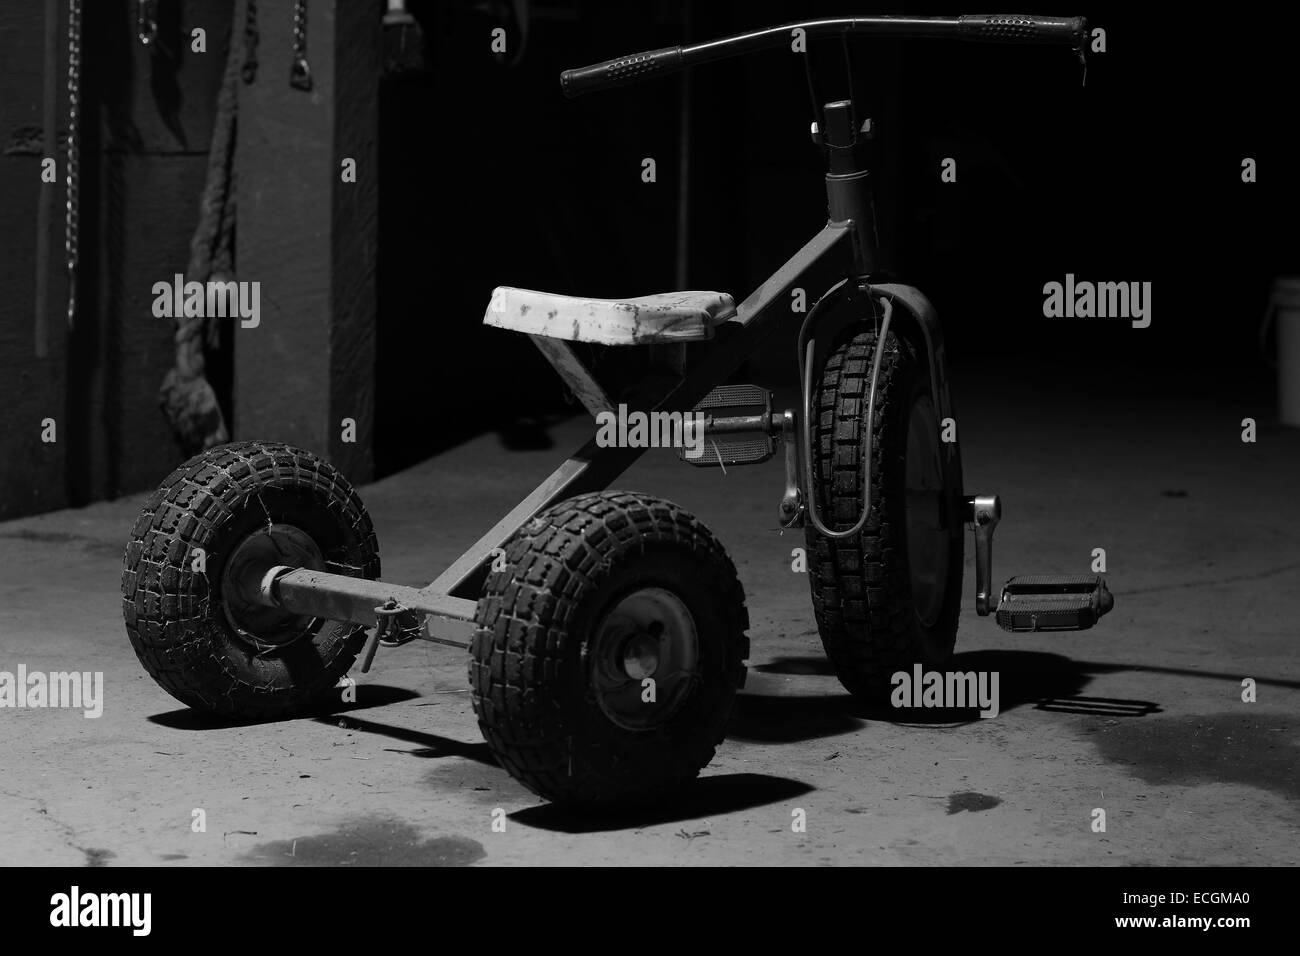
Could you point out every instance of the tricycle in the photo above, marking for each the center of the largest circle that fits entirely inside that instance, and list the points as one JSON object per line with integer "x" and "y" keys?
{"x": 608, "y": 629}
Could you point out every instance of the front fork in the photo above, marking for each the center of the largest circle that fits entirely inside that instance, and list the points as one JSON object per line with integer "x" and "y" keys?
{"x": 981, "y": 512}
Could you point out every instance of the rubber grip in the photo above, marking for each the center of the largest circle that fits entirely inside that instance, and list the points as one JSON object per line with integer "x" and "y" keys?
{"x": 624, "y": 70}
{"x": 1022, "y": 28}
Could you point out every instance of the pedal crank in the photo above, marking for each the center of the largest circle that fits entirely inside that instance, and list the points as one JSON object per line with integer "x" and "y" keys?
{"x": 983, "y": 512}
{"x": 1031, "y": 602}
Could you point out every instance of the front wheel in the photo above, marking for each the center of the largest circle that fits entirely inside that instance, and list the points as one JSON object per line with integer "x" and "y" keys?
{"x": 889, "y": 597}
{"x": 608, "y": 653}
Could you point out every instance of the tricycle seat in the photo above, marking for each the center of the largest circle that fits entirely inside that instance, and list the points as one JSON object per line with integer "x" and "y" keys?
{"x": 649, "y": 319}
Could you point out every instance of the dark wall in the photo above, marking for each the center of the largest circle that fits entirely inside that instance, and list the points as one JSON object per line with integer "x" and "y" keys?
{"x": 145, "y": 132}
{"x": 491, "y": 177}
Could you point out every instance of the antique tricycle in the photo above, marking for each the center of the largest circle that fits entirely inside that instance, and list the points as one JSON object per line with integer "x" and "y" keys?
{"x": 609, "y": 628}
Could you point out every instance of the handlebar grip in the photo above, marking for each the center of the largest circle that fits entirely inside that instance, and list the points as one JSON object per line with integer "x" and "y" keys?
{"x": 626, "y": 69}
{"x": 1020, "y": 28}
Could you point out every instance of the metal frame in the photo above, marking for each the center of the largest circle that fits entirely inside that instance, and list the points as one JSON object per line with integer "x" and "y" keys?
{"x": 673, "y": 386}
{"x": 452, "y": 595}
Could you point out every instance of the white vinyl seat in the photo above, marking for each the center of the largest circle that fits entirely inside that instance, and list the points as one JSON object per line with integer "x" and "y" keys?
{"x": 667, "y": 317}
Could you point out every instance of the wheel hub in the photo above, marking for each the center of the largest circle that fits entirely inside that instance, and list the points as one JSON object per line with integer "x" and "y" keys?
{"x": 649, "y": 634}
{"x": 241, "y": 583}
{"x": 641, "y": 653}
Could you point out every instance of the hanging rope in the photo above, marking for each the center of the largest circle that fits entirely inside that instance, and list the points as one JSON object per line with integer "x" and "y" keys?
{"x": 186, "y": 396}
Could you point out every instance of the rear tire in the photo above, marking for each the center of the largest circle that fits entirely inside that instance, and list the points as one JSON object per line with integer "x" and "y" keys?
{"x": 889, "y": 597}
{"x": 247, "y": 506}
{"x": 601, "y": 592}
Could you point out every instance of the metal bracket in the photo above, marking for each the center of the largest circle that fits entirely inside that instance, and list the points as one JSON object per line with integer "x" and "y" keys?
{"x": 395, "y": 625}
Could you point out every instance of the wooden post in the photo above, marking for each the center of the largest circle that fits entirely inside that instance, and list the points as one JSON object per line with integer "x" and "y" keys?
{"x": 307, "y": 236}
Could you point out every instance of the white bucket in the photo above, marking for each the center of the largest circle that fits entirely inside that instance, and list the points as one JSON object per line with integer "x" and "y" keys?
{"x": 1284, "y": 305}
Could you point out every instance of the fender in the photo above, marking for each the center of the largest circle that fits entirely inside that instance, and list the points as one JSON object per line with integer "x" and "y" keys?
{"x": 839, "y": 308}
{"x": 825, "y": 321}
{"x": 922, "y": 311}
{"x": 919, "y": 308}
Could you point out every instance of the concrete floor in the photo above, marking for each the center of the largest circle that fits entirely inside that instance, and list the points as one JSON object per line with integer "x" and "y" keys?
{"x": 1141, "y": 717}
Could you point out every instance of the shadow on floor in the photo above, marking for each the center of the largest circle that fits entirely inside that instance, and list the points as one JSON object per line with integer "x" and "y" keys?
{"x": 369, "y": 697}
{"x": 705, "y": 797}
{"x": 790, "y": 718}
{"x": 1048, "y": 681}
{"x": 433, "y": 745}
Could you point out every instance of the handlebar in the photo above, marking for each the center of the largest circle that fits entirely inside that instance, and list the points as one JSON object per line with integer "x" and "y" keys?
{"x": 989, "y": 28}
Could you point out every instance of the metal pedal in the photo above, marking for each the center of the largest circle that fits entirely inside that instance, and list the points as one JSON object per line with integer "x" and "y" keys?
{"x": 1053, "y": 602}
{"x": 737, "y": 427}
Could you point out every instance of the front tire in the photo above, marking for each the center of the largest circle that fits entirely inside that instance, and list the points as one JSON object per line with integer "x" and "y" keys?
{"x": 888, "y": 597}
{"x": 600, "y": 593}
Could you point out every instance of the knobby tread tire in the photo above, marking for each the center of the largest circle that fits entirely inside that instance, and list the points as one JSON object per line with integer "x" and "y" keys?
{"x": 861, "y": 586}
{"x": 174, "y": 615}
{"x": 530, "y": 672}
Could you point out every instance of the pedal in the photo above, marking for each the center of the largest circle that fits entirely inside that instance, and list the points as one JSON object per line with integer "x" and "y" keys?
{"x": 1053, "y": 602}
{"x": 737, "y": 427}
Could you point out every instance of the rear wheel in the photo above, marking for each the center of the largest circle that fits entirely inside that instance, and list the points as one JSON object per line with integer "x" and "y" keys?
{"x": 608, "y": 653}
{"x": 888, "y": 597}
{"x": 194, "y": 564}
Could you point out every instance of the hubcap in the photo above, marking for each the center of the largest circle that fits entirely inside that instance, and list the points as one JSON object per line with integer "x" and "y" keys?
{"x": 651, "y": 634}
{"x": 241, "y": 582}
{"x": 927, "y": 528}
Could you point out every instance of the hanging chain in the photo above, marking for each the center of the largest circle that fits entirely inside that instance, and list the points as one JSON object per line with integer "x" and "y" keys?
{"x": 300, "y": 72}
{"x": 249, "y": 70}
{"x": 72, "y": 223}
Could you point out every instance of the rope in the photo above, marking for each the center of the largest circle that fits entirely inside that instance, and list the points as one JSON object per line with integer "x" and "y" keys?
{"x": 186, "y": 396}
